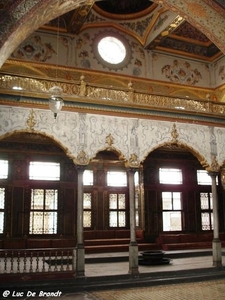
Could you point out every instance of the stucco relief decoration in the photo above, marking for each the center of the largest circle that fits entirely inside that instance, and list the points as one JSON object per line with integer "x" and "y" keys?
{"x": 34, "y": 49}
{"x": 222, "y": 72}
{"x": 196, "y": 137}
{"x": 181, "y": 72}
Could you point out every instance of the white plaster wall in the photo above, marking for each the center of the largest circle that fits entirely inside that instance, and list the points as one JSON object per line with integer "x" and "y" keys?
{"x": 80, "y": 131}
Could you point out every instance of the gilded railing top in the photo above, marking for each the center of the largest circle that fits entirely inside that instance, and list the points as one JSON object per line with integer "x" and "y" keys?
{"x": 34, "y": 90}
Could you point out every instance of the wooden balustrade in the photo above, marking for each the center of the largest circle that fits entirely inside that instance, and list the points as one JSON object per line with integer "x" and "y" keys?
{"x": 36, "y": 260}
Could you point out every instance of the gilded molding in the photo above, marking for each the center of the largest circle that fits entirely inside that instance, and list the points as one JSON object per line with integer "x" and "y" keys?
{"x": 36, "y": 91}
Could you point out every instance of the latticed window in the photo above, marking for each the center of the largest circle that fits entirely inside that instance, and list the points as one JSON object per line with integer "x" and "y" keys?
{"x": 206, "y": 204}
{"x": 171, "y": 205}
{"x": 2, "y": 209}
{"x": 87, "y": 209}
{"x": 117, "y": 210}
{"x": 43, "y": 212}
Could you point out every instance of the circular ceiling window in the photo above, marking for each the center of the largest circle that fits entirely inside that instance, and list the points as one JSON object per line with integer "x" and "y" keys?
{"x": 112, "y": 50}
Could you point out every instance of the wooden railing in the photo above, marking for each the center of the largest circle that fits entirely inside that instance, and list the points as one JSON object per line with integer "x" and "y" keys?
{"x": 37, "y": 260}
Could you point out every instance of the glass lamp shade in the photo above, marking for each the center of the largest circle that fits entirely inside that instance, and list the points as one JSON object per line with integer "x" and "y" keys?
{"x": 55, "y": 100}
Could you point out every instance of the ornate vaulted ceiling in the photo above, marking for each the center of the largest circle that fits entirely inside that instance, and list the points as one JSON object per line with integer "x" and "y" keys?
{"x": 177, "y": 37}
{"x": 185, "y": 29}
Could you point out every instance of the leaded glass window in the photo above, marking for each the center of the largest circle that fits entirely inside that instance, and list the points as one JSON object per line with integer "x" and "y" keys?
{"x": 43, "y": 213}
{"x": 206, "y": 204}
{"x": 117, "y": 210}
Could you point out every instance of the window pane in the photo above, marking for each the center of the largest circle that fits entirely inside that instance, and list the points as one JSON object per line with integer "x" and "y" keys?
{"x": 36, "y": 222}
{"x": 43, "y": 222}
{"x": 3, "y": 169}
{"x": 122, "y": 202}
{"x": 37, "y": 199}
{"x": 112, "y": 219}
{"x": 50, "y": 222}
{"x": 2, "y": 198}
{"x": 122, "y": 219}
{"x": 203, "y": 178}
{"x": 112, "y": 201}
{"x": 87, "y": 219}
{"x": 116, "y": 178}
{"x": 51, "y": 199}
{"x": 205, "y": 221}
{"x": 1, "y": 222}
{"x": 176, "y": 200}
{"x": 167, "y": 200}
{"x": 170, "y": 176}
{"x": 87, "y": 201}
{"x": 88, "y": 177}
{"x": 204, "y": 200}
{"x": 172, "y": 221}
{"x": 44, "y": 171}
{"x": 42, "y": 219}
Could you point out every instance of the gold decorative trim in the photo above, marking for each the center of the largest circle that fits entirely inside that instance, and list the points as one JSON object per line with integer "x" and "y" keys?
{"x": 215, "y": 167}
{"x": 133, "y": 161}
{"x": 31, "y": 121}
{"x": 82, "y": 159}
{"x": 174, "y": 134}
{"x": 109, "y": 141}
